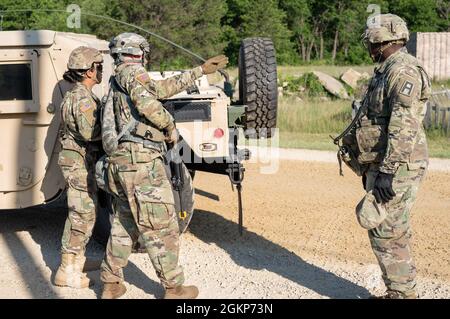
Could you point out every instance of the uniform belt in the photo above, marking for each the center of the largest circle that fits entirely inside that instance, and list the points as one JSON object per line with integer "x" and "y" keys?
{"x": 146, "y": 143}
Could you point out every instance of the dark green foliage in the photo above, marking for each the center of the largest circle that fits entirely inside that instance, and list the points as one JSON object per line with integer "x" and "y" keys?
{"x": 304, "y": 31}
{"x": 262, "y": 18}
{"x": 307, "y": 85}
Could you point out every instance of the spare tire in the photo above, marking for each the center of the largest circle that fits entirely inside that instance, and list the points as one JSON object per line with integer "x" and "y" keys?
{"x": 258, "y": 87}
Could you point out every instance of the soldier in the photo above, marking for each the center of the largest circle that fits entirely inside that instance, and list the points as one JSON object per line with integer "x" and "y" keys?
{"x": 393, "y": 149}
{"x": 80, "y": 141}
{"x": 145, "y": 204}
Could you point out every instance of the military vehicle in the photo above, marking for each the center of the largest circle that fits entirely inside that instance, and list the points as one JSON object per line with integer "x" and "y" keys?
{"x": 32, "y": 87}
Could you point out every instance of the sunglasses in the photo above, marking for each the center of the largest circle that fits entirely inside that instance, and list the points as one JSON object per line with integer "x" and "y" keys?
{"x": 99, "y": 67}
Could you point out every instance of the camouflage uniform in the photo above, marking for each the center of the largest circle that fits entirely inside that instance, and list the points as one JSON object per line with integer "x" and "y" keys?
{"x": 144, "y": 203}
{"x": 77, "y": 160}
{"x": 396, "y": 100}
{"x": 80, "y": 150}
{"x": 80, "y": 140}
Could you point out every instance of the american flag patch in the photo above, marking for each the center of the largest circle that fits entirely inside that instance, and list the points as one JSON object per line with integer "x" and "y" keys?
{"x": 85, "y": 106}
{"x": 407, "y": 88}
{"x": 143, "y": 78}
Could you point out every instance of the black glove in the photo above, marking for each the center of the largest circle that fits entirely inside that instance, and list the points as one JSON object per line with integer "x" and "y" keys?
{"x": 364, "y": 180}
{"x": 382, "y": 189}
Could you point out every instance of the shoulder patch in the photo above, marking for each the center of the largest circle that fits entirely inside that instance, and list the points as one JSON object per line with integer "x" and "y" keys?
{"x": 86, "y": 105}
{"x": 407, "y": 88}
{"x": 143, "y": 78}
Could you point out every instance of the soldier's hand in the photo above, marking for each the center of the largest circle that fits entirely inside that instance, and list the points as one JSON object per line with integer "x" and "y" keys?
{"x": 214, "y": 64}
{"x": 383, "y": 190}
{"x": 172, "y": 134}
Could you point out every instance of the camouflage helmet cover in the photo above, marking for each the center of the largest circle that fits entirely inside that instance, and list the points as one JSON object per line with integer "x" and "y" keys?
{"x": 369, "y": 213}
{"x": 83, "y": 57}
{"x": 385, "y": 28}
{"x": 129, "y": 43}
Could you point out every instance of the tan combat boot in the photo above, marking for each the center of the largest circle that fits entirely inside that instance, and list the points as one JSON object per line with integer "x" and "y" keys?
{"x": 394, "y": 294}
{"x": 113, "y": 290}
{"x": 70, "y": 273}
{"x": 181, "y": 292}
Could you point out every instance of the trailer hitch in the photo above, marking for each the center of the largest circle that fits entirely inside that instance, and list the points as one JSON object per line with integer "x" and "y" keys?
{"x": 235, "y": 172}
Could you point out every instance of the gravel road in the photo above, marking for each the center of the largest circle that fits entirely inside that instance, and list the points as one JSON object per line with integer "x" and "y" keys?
{"x": 301, "y": 240}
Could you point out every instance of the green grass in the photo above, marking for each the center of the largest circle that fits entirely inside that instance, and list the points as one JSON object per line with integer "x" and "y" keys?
{"x": 313, "y": 115}
{"x": 437, "y": 146}
{"x": 440, "y": 85}
{"x": 308, "y": 124}
{"x": 311, "y": 141}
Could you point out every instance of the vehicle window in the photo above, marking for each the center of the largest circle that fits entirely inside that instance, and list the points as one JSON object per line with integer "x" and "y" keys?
{"x": 15, "y": 82}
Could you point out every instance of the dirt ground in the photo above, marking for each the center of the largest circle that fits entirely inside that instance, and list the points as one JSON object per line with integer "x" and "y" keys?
{"x": 301, "y": 240}
{"x": 308, "y": 209}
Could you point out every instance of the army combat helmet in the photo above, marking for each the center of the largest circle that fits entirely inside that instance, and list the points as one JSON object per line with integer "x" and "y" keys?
{"x": 82, "y": 58}
{"x": 129, "y": 47}
{"x": 385, "y": 28}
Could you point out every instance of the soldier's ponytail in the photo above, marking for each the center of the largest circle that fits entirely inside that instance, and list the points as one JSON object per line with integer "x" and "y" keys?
{"x": 73, "y": 76}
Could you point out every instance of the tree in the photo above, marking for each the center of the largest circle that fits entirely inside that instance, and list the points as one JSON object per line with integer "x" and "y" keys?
{"x": 298, "y": 16}
{"x": 33, "y": 19}
{"x": 257, "y": 18}
{"x": 302, "y": 30}
{"x": 443, "y": 9}
{"x": 420, "y": 15}
{"x": 102, "y": 28}
{"x": 192, "y": 24}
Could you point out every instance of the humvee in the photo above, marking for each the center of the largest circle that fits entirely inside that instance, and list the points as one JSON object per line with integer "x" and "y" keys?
{"x": 32, "y": 88}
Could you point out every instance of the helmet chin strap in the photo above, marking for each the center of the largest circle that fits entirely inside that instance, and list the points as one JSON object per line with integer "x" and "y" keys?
{"x": 382, "y": 49}
{"x": 379, "y": 54}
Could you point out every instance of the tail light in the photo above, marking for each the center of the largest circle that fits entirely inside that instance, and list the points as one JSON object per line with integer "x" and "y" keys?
{"x": 219, "y": 133}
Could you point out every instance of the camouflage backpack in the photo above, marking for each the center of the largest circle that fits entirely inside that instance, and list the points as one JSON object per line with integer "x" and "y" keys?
{"x": 109, "y": 141}
{"x": 133, "y": 131}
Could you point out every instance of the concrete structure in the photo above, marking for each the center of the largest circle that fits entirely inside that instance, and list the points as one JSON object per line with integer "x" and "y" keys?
{"x": 332, "y": 85}
{"x": 433, "y": 51}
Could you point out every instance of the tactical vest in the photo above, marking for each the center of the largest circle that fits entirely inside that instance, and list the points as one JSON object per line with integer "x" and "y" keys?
{"x": 135, "y": 131}
{"x": 365, "y": 140}
{"x": 138, "y": 129}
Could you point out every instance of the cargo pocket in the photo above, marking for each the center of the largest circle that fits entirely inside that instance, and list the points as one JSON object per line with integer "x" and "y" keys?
{"x": 74, "y": 201}
{"x": 372, "y": 143}
{"x": 403, "y": 187}
{"x": 153, "y": 215}
{"x": 74, "y": 170}
{"x": 70, "y": 158}
{"x": 79, "y": 180}
{"x": 123, "y": 175}
{"x": 160, "y": 186}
